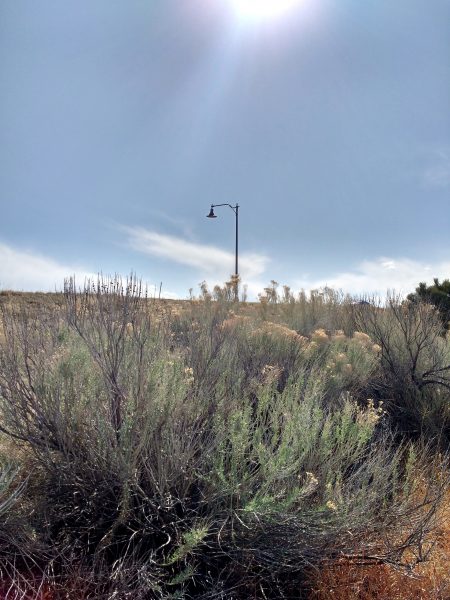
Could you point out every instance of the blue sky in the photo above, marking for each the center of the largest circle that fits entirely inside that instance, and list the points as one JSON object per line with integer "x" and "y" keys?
{"x": 121, "y": 122}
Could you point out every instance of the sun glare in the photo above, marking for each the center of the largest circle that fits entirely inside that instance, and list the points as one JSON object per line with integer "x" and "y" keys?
{"x": 262, "y": 9}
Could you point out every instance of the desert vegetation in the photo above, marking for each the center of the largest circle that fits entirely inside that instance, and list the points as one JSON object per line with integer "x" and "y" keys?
{"x": 291, "y": 448}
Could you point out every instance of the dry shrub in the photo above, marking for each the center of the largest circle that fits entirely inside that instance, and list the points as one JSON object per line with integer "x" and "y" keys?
{"x": 414, "y": 378}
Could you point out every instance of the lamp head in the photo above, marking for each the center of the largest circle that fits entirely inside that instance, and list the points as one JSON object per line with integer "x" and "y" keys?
{"x": 211, "y": 214}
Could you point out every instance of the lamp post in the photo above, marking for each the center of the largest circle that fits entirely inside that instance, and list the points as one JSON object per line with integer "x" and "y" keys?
{"x": 235, "y": 209}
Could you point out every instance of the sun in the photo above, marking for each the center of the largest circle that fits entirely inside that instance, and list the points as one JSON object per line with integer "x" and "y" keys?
{"x": 262, "y": 9}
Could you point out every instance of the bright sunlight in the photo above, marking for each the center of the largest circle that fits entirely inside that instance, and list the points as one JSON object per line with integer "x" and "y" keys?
{"x": 262, "y": 9}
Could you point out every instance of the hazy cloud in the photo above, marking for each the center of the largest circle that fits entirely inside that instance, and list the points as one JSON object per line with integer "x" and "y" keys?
{"x": 214, "y": 263}
{"x": 378, "y": 276}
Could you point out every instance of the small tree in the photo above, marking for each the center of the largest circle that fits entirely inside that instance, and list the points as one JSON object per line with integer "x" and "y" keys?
{"x": 438, "y": 295}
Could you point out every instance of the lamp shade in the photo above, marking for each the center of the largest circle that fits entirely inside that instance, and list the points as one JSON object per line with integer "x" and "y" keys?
{"x": 211, "y": 214}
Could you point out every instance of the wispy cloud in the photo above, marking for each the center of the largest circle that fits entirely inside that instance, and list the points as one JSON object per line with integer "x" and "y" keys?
{"x": 209, "y": 260}
{"x": 378, "y": 276}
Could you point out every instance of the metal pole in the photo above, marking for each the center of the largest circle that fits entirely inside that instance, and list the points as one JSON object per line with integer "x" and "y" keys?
{"x": 236, "y": 270}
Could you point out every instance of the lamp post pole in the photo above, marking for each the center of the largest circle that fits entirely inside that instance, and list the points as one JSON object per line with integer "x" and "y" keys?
{"x": 235, "y": 209}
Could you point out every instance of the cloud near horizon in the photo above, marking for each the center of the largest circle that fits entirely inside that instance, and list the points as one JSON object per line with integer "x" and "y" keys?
{"x": 380, "y": 275}
{"x": 209, "y": 260}
{"x": 375, "y": 276}
{"x": 24, "y": 270}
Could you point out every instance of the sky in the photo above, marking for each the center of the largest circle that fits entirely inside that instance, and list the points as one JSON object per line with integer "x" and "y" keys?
{"x": 121, "y": 122}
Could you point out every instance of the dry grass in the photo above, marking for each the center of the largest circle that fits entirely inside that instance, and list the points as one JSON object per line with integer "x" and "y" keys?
{"x": 429, "y": 581}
